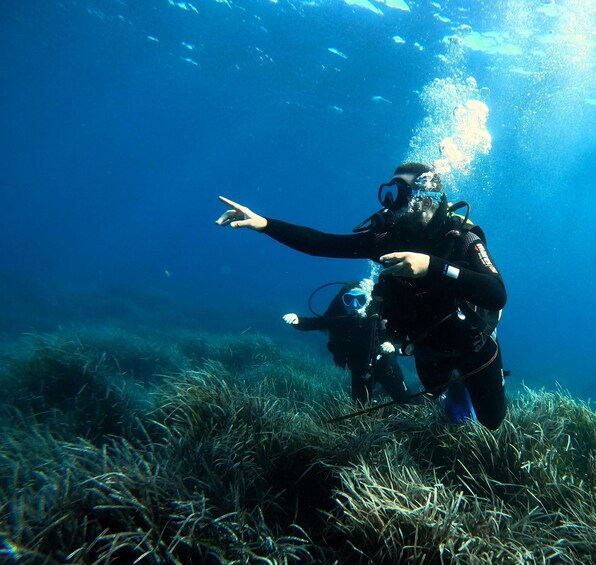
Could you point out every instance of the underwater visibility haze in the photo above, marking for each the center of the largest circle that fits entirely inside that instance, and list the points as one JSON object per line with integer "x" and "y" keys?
{"x": 122, "y": 121}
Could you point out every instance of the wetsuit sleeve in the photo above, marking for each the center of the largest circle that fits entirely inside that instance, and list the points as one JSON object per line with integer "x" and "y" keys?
{"x": 320, "y": 244}
{"x": 480, "y": 282}
{"x": 311, "y": 324}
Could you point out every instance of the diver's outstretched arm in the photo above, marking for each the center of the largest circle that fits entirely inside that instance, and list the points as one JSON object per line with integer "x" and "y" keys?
{"x": 240, "y": 217}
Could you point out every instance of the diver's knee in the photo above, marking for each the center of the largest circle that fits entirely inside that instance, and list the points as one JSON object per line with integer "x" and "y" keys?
{"x": 491, "y": 421}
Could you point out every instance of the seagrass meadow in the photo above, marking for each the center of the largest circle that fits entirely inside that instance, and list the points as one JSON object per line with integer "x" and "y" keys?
{"x": 203, "y": 448}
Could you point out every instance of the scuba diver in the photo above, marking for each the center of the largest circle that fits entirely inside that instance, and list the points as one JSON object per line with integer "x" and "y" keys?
{"x": 440, "y": 290}
{"x": 357, "y": 339}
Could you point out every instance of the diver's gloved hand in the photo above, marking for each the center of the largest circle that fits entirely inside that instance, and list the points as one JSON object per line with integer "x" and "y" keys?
{"x": 291, "y": 319}
{"x": 405, "y": 264}
{"x": 387, "y": 347}
{"x": 240, "y": 217}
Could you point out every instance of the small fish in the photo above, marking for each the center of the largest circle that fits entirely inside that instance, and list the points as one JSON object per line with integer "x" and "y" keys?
{"x": 337, "y": 52}
{"x": 381, "y": 99}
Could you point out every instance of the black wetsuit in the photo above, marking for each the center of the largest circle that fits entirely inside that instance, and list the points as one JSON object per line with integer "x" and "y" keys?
{"x": 354, "y": 342}
{"x": 424, "y": 311}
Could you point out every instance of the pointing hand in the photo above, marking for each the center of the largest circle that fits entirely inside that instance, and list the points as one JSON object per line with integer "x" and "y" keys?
{"x": 240, "y": 217}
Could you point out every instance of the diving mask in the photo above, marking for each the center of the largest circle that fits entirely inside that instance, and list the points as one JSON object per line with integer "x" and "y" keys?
{"x": 355, "y": 299}
{"x": 405, "y": 197}
{"x": 420, "y": 193}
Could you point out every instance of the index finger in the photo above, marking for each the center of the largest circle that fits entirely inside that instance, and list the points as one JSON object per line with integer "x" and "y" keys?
{"x": 396, "y": 256}
{"x": 231, "y": 203}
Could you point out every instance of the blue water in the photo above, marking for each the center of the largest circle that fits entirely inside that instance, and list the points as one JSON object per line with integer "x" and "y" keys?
{"x": 122, "y": 121}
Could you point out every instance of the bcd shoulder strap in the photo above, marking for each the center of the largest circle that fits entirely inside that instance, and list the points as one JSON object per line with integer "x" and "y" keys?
{"x": 484, "y": 320}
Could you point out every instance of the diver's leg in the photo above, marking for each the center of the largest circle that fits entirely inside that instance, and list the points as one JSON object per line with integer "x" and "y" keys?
{"x": 486, "y": 388}
{"x": 362, "y": 384}
{"x": 389, "y": 374}
{"x": 434, "y": 374}
{"x": 440, "y": 379}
